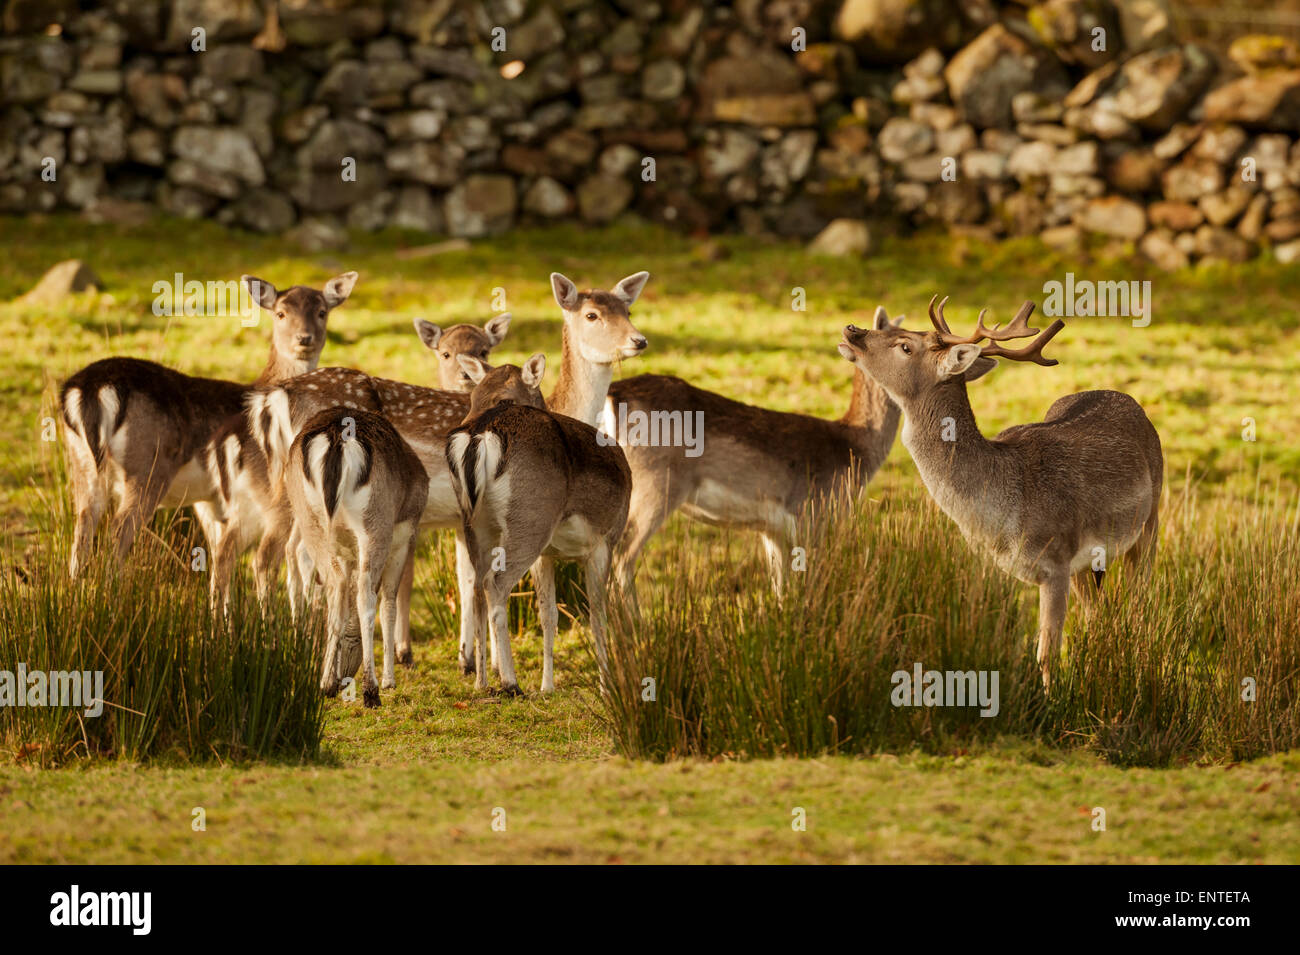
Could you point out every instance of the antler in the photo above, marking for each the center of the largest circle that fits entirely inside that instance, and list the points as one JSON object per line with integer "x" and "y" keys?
{"x": 1018, "y": 327}
{"x": 1031, "y": 352}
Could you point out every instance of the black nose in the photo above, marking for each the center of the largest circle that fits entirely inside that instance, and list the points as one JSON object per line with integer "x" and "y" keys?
{"x": 851, "y": 330}
{"x": 305, "y": 339}
{"x": 640, "y": 342}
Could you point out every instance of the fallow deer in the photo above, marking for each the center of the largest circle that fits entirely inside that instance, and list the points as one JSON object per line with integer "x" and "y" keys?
{"x": 533, "y": 486}
{"x": 597, "y": 333}
{"x": 249, "y": 514}
{"x": 1049, "y": 500}
{"x": 138, "y": 428}
{"x": 356, "y": 491}
{"x": 751, "y": 468}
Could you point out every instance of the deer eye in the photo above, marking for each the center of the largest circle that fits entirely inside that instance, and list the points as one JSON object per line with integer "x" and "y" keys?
{"x": 592, "y": 316}
{"x": 907, "y": 349}
{"x": 483, "y": 354}
{"x": 279, "y": 314}
{"x": 446, "y": 354}
{"x": 321, "y": 313}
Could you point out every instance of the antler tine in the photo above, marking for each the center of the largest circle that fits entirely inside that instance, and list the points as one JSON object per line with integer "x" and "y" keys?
{"x": 940, "y": 323}
{"x": 1031, "y": 352}
{"x": 1018, "y": 327}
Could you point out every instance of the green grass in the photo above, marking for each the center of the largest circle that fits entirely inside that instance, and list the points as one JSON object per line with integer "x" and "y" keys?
{"x": 418, "y": 779}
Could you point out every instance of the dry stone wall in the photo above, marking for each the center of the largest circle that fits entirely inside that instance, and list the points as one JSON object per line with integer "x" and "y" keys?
{"x": 768, "y": 116}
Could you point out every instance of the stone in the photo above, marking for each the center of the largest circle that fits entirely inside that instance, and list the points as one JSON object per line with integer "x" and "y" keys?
{"x": 1251, "y": 226}
{"x": 1268, "y": 101}
{"x": 317, "y": 234}
{"x": 984, "y": 165}
{"x": 204, "y": 179}
{"x": 1135, "y": 170}
{"x": 894, "y": 31}
{"x": 1145, "y": 24}
{"x": 1160, "y": 248}
{"x": 985, "y": 75}
{"x": 1156, "y": 88}
{"x": 843, "y": 237}
{"x": 70, "y": 277}
{"x": 1178, "y": 140}
{"x": 129, "y": 212}
{"x": 413, "y": 124}
{"x": 1069, "y": 27}
{"x": 601, "y": 198}
{"x": 548, "y": 198}
{"x": 1191, "y": 179}
{"x": 263, "y": 210}
{"x": 1266, "y": 158}
{"x": 1063, "y": 238}
{"x": 1032, "y": 159}
{"x": 1081, "y": 159}
{"x": 1175, "y": 216}
{"x": 1222, "y": 208}
{"x": 223, "y": 149}
{"x": 1222, "y": 245}
{"x": 372, "y": 213}
{"x": 788, "y": 109}
{"x": 1048, "y": 133}
{"x": 1257, "y": 52}
{"x": 1033, "y": 107}
{"x": 220, "y": 19}
{"x": 1288, "y": 253}
{"x": 727, "y": 152}
{"x": 157, "y": 97}
{"x": 542, "y": 32}
{"x": 902, "y": 139}
{"x": 1113, "y": 215}
{"x": 97, "y": 82}
{"x": 955, "y": 141}
{"x": 418, "y": 210}
{"x": 481, "y": 205}
{"x": 1283, "y": 230}
{"x": 663, "y": 81}
{"x": 956, "y": 203}
{"x": 431, "y": 163}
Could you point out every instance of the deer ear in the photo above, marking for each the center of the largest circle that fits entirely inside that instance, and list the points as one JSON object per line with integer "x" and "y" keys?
{"x": 881, "y": 321}
{"x": 958, "y": 360}
{"x": 981, "y": 368}
{"x": 496, "y": 329}
{"x": 263, "y": 292}
{"x": 472, "y": 367}
{"x": 339, "y": 288}
{"x": 429, "y": 333}
{"x": 898, "y": 322}
{"x": 533, "y": 370}
{"x": 566, "y": 293}
{"x": 629, "y": 288}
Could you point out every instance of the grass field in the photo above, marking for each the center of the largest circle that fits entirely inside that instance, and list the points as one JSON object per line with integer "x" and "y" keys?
{"x": 420, "y": 779}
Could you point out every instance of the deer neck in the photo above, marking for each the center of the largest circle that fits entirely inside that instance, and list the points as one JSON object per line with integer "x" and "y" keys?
{"x": 280, "y": 368}
{"x": 872, "y": 420}
{"x": 969, "y": 477}
{"x": 582, "y": 385}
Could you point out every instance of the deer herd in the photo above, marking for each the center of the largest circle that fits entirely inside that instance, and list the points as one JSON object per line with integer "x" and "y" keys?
{"x": 335, "y": 472}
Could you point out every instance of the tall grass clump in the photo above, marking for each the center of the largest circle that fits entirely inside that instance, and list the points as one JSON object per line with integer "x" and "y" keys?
{"x": 1152, "y": 673}
{"x": 179, "y": 683}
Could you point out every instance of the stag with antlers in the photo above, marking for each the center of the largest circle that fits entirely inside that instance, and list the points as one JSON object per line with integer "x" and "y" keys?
{"x": 1051, "y": 502}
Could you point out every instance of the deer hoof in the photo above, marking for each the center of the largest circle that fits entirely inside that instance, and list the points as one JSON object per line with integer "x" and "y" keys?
{"x": 512, "y": 690}
{"x": 406, "y": 658}
{"x": 371, "y": 697}
{"x": 330, "y": 688}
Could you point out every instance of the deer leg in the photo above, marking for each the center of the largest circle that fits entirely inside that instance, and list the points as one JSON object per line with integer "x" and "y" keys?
{"x": 90, "y": 498}
{"x": 270, "y": 551}
{"x": 223, "y": 567}
{"x": 649, "y": 507}
{"x": 139, "y": 501}
{"x": 543, "y": 572}
{"x": 1053, "y": 599}
{"x": 394, "y": 570}
{"x": 368, "y": 579}
{"x": 465, "y": 581}
{"x": 777, "y": 540}
{"x": 403, "y": 652}
{"x": 597, "y": 579}
{"x": 337, "y": 598}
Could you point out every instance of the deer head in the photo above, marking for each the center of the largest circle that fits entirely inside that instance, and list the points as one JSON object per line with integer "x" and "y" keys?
{"x": 461, "y": 340}
{"x": 300, "y": 314}
{"x": 523, "y": 385}
{"x": 909, "y": 364}
{"x": 599, "y": 323}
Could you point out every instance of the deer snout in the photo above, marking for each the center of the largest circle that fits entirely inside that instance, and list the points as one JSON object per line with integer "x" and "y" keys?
{"x": 306, "y": 340}
{"x": 639, "y": 342}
